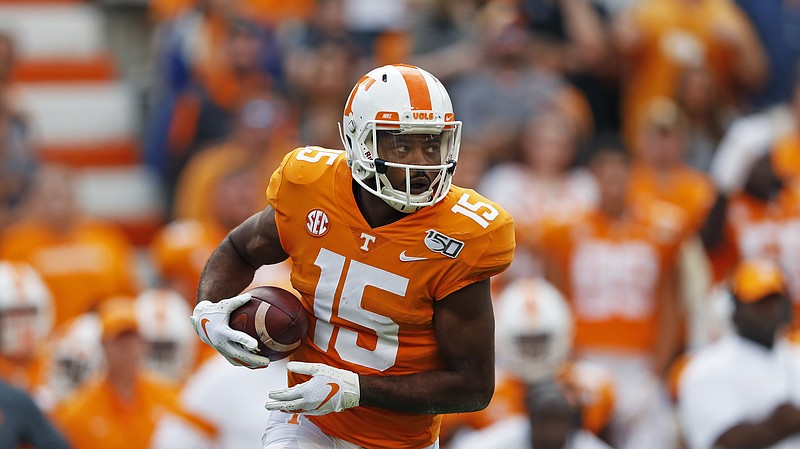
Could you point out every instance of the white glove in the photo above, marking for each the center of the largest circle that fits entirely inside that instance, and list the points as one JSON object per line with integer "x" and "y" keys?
{"x": 211, "y": 322}
{"x": 329, "y": 390}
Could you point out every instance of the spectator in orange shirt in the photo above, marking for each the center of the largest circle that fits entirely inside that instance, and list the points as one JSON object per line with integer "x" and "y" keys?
{"x": 661, "y": 173}
{"x": 660, "y": 39}
{"x": 253, "y": 143}
{"x": 82, "y": 260}
{"x": 119, "y": 410}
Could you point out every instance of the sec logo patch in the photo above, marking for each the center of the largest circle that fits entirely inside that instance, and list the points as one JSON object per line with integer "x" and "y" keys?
{"x": 317, "y": 222}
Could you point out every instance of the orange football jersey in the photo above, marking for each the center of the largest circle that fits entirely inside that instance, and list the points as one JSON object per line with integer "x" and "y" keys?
{"x": 370, "y": 293}
{"x": 610, "y": 271}
{"x": 690, "y": 191}
{"x": 754, "y": 228}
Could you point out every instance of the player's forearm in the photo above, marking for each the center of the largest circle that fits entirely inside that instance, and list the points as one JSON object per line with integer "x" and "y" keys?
{"x": 225, "y": 275}
{"x": 437, "y": 391}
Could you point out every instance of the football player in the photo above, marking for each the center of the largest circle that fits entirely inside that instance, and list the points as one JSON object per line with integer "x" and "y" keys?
{"x": 393, "y": 264}
{"x": 26, "y": 320}
{"x": 534, "y": 346}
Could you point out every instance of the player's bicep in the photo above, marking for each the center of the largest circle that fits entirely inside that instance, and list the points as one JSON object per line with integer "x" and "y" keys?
{"x": 257, "y": 240}
{"x": 464, "y": 326}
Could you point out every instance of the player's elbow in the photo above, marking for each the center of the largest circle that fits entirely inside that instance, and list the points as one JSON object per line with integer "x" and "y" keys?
{"x": 481, "y": 396}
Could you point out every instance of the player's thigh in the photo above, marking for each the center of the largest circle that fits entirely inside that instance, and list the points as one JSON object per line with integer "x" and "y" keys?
{"x": 293, "y": 431}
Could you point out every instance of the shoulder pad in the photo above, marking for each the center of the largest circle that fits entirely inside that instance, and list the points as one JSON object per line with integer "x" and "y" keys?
{"x": 307, "y": 164}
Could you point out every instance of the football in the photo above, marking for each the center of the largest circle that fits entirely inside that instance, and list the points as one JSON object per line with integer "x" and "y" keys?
{"x": 274, "y": 317}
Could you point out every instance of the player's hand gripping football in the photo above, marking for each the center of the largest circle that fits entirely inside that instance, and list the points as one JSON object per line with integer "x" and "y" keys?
{"x": 329, "y": 390}
{"x": 211, "y": 322}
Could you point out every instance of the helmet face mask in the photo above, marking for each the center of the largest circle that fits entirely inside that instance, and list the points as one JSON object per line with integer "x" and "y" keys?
{"x": 399, "y": 125}
{"x": 26, "y": 310}
{"x": 534, "y": 331}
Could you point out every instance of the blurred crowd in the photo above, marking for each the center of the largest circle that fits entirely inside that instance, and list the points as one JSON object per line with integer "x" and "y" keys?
{"x": 645, "y": 149}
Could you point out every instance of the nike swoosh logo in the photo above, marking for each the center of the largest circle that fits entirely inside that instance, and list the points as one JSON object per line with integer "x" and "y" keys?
{"x": 404, "y": 258}
{"x": 203, "y": 323}
{"x": 334, "y": 390}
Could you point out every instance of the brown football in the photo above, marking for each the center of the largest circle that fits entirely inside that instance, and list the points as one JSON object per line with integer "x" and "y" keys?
{"x": 273, "y": 316}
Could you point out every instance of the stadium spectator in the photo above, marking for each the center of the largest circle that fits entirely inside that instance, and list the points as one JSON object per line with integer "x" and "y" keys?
{"x": 254, "y": 143}
{"x": 17, "y": 157}
{"x": 660, "y": 39}
{"x": 81, "y": 259}
{"x": 23, "y": 423}
{"x": 660, "y": 173}
{"x": 210, "y": 62}
{"x": 121, "y": 408}
{"x": 615, "y": 265}
{"x": 496, "y": 98}
{"x": 707, "y": 117}
{"x": 547, "y": 185}
{"x": 573, "y": 38}
{"x": 343, "y": 219}
{"x": 743, "y": 391}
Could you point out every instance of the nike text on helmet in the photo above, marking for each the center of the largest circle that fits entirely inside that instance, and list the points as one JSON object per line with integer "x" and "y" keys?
{"x": 534, "y": 329}
{"x": 399, "y": 100}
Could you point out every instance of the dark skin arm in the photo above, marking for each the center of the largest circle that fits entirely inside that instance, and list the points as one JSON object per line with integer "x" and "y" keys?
{"x": 713, "y": 230}
{"x": 463, "y": 323}
{"x": 782, "y": 423}
{"x": 231, "y": 267}
{"x": 464, "y": 326}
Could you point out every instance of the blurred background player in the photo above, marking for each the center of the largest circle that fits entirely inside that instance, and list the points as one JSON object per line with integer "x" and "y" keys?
{"x": 759, "y": 221}
{"x": 743, "y": 391}
{"x": 534, "y": 345}
{"x": 615, "y": 266}
{"x": 170, "y": 342}
{"x": 552, "y": 421}
{"x": 75, "y": 358}
{"x": 26, "y": 320}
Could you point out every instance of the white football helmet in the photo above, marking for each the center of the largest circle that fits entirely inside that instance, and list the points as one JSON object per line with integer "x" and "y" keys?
{"x": 163, "y": 317}
{"x": 534, "y": 329}
{"x": 26, "y": 310}
{"x": 77, "y": 355}
{"x": 397, "y": 100}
